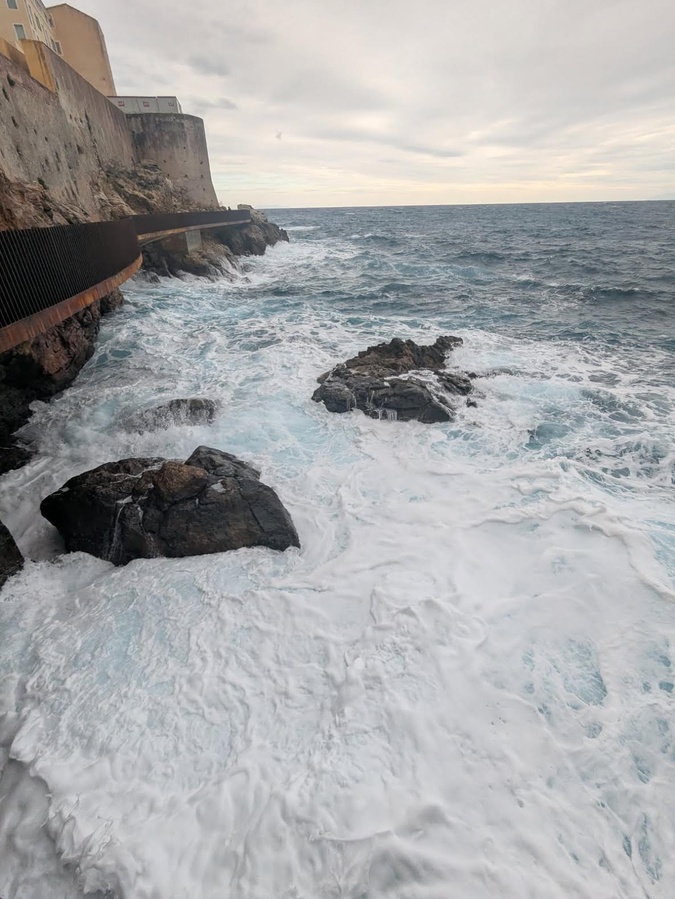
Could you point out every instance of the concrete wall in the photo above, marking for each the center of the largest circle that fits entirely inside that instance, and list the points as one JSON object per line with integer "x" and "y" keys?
{"x": 64, "y": 138}
{"x": 83, "y": 46}
{"x": 177, "y": 144}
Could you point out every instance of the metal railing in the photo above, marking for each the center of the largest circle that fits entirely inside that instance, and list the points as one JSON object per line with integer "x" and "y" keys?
{"x": 42, "y": 267}
{"x": 47, "y": 274}
{"x": 147, "y": 225}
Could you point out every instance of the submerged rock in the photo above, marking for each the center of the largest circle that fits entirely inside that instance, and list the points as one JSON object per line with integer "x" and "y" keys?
{"x": 12, "y": 457}
{"x": 150, "y": 508}
{"x": 193, "y": 411}
{"x": 378, "y": 382}
{"x": 11, "y": 560}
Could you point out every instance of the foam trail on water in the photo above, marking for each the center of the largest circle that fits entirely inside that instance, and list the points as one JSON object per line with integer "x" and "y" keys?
{"x": 461, "y": 685}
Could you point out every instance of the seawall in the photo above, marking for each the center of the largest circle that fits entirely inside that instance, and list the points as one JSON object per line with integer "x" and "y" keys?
{"x": 61, "y": 133}
{"x": 62, "y": 138}
{"x": 176, "y": 144}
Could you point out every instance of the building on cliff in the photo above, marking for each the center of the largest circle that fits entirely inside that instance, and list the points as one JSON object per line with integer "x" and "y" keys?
{"x": 27, "y": 20}
{"x": 72, "y": 34}
{"x": 134, "y": 105}
{"x": 83, "y": 46}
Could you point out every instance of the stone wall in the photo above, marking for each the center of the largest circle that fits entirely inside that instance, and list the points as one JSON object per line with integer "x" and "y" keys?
{"x": 177, "y": 144}
{"x": 61, "y": 133}
{"x": 62, "y": 139}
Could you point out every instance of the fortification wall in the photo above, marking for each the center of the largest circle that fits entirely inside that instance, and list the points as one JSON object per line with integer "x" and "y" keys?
{"x": 177, "y": 144}
{"x": 62, "y": 138}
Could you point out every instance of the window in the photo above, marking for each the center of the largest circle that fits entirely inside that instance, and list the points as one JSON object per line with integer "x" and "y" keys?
{"x": 20, "y": 32}
{"x": 13, "y": 4}
{"x": 57, "y": 47}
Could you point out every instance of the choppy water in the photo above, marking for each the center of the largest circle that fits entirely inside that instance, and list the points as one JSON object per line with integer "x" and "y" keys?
{"x": 462, "y": 687}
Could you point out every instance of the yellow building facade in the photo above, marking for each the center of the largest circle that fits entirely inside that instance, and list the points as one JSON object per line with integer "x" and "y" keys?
{"x": 83, "y": 46}
{"x": 72, "y": 34}
{"x": 27, "y": 20}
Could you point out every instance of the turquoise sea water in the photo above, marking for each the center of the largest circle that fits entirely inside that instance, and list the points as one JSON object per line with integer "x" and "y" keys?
{"x": 462, "y": 685}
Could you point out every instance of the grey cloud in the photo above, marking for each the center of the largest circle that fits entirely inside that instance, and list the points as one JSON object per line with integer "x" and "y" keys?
{"x": 209, "y": 65}
{"x": 386, "y": 101}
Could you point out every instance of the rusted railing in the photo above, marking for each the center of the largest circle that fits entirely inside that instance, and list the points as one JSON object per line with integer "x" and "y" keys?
{"x": 49, "y": 274}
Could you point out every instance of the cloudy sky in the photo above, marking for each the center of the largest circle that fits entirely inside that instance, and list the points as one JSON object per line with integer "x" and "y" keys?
{"x": 374, "y": 102}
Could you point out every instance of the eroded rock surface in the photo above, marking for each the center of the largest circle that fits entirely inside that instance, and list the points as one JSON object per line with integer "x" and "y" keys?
{"x": 378, "y": 381}
{"x": 150, "y": 508}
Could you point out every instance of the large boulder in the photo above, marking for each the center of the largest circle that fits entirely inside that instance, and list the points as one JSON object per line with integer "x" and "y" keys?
{"x": 11, "y": 560}
{"x": 378, "y": 381}
{"x": 150, "y": 508}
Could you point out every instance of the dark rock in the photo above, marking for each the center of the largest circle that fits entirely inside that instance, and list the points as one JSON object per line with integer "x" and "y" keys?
{"x": 371, "y": 382}
{"x": 13, "y": 457}
{"x": 222, "y": 465}
{"x": 402, "y": 356}
{"x": 11, "y": 560}
{"x": 212, "y": 260}
{"x": 456, "y": 382}
{"x": 193, "y": 411}
{"x": 149, "y": 508}
{"x": 112, "y": 302}
{"x": 253, "y": 239}
{"x": 46, "y": 365}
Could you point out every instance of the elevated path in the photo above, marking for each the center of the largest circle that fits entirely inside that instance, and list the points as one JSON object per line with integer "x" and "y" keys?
{"x": 49, "y": 274}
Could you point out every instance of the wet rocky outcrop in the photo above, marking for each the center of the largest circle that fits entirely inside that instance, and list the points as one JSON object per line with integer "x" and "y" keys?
{"x": 41, "y": 368}
{"x": 253, "y": 239}
{"x": 150, "y": 508}
{"x": 11, "y": 560}
{"x": 399, "y": 380}
{"x": 211, "y": 260}
{"x": 192, "y": 411}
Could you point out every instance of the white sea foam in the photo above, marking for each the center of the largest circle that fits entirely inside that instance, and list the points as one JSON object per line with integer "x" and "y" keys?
{"x": 461, "y": 686}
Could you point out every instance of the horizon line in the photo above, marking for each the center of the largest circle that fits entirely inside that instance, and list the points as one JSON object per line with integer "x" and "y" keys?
{"x": 460, "y": 205}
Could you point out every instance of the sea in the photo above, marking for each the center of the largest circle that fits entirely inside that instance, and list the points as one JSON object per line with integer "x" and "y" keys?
{"x": 462, "y": 686}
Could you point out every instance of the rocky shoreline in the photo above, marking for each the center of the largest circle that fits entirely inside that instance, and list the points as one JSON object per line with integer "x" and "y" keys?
{"x": 48, "y": 364}
{"x": 212, "y": 502}
{"x": 40, "y": 369}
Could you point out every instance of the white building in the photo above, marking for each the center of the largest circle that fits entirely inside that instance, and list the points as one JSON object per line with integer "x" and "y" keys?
{"x": 133, "y": 105}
